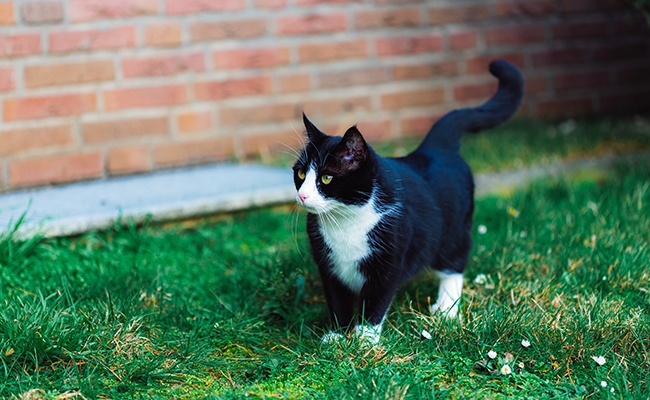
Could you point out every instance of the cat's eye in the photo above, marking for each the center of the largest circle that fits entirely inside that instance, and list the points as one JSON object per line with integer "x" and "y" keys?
{"x": 301, "y": 174}
{"x": 326, "y": 179}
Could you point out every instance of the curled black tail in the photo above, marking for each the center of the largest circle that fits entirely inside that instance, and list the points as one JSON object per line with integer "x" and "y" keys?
{"x": 448, "y": 130}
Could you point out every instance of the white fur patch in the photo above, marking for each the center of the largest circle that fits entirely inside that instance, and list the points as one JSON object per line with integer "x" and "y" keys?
{"x": 345, "y": 230}
{"x": 451, "y": 288}
{"x": 331, "y": 338}
{"x": 368, "y": 333}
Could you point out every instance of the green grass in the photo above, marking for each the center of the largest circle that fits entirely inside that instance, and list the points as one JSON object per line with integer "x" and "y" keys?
{"x": 233, "y": 308}
{"x": 523, "y": 142}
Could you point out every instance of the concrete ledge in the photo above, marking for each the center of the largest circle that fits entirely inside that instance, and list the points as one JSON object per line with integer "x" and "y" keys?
{"x": 185, "y": 193}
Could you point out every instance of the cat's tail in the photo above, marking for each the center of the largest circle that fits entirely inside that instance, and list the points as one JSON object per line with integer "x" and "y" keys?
{"x": 448, "y": 130}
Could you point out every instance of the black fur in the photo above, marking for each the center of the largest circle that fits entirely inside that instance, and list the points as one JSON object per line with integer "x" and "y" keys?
{"x": 430, "y": 190}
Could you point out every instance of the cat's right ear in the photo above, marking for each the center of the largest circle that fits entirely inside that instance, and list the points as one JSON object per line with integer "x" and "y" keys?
{"x": 315, "y": 135}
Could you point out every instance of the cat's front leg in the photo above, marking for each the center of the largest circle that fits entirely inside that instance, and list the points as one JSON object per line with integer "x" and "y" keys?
{"x": 340, "y": 301}
{"x": 374, "y": 301}
{"x": 449, "y": 292}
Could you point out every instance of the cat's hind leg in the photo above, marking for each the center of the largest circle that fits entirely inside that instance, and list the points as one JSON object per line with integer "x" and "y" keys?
{"x": 451, "y": 288}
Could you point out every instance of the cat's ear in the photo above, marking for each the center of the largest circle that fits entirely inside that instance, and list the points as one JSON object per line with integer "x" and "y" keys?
{"x": 315, "y": 135}
{"x": 352, "y": 151}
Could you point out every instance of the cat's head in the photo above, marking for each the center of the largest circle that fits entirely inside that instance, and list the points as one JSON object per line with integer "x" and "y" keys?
{"x": 333, "y": 171}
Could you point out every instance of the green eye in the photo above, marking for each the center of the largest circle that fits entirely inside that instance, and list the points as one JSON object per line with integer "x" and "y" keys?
{"x": 326, "y": 179}
{"x": 301, "y": 174}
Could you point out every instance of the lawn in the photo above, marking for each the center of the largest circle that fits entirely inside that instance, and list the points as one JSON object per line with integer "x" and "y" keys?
{"x": 232, "y": 307}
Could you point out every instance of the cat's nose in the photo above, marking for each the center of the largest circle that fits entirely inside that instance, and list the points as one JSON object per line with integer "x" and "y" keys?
{"x": 303, "y": 197}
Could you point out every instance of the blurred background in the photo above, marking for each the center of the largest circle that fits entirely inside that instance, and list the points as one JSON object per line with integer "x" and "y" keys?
{"x": 94, "y": 88}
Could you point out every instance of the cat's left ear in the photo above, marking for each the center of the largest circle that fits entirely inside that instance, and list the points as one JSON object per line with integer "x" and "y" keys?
{"x": 352, "y": 151}
{"x": 314, "y": 134}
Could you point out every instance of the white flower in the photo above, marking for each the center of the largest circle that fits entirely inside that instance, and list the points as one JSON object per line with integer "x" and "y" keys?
{"x": 604, "y": 278}
{"x": 523, "y": 234}
{"x": 600, "y": 360}
{"x": 525, "y": 343}
{"x": 480, "y": 279}
{"x": 521, "y": 365}
{"x": 482, "y": 229}
{"x": 492, "y": 354}
{"x": 506, "y": 370}
{"x": 426, "y": 335}
{"x": 612, "y": 390}
{"x": 603, "y": 383}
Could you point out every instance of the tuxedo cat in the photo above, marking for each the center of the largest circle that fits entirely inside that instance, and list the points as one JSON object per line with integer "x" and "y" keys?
{"x": 374, "y": 222}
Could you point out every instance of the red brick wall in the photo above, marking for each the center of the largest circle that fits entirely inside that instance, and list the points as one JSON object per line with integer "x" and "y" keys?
{"x": 95, "y": 88}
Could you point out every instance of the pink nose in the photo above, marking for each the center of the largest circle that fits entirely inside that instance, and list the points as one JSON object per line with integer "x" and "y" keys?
{"x": 303, "y": 197}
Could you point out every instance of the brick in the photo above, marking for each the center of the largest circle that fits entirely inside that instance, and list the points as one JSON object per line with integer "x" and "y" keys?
{"x": 311, "y": 24}
{"x": 129, "y": 160}
{"x": 609, "y": 5}
{"x": 412, "y": 98}
{"x": 237, "y": 29}
{"x": 357, "y": 77}
{"x": 194, "y": 122}
{"x": 48, "y": 106}
{"x": 422, "y": 71}
{"x": 375, "y": 130}
{"x": 162, "y": 35}
{"x": 66, "y": 168}
{"x": 463, "y": 40}
{"x": 319, "y": 2}
{"x": 269, "y": 4}
{"x": 576, "y": 6}
{"x": 324, "y": 52}
{"x": 580, "y": 30}
{"x": 133, "y": 128}
{"x": 259, "y": 114}
{"x": 559, "y": 57}
{"x": 474, "y": 91}
{"x": 7, "y": 81}
{"x": 74, "y": 41}
{"x": 183, "y": 153}
{"x": 409, "y": 45}
{"x": 159, "y": 96}
{"x": 7, "y": 13}
{"x": 295, "y": 83}
{"x": 218, "y": 90}
{"x": 634, "y": 75}
{"x": 480, "y": 65}
{"x": 90, "y": 10}
{"x": 515, "y": 35}
{"x": 336, "y": 106}
{"x": 68, "y": 74}
{"x": 42, "y": 12}
{"x": 19, "y": 140}
{"x": 533, "y": 85}
{"x": 525, "y": 8}
{"x": 621, "y": 52}
{"x": 562, "y": 107}
{"x": 458, "y": 15}
{"x": 581, "y": 80}
{"x": 20, "y": 45}
{"x": 162, "y": 66}
{"x": 416, "y": 126}
{"x": 628, "y": 102}
{"x": 264, "y": 143}
{"x": 396, "y": 18}
{"x": 198, "y": 6}
{"x": 251, "y": 58}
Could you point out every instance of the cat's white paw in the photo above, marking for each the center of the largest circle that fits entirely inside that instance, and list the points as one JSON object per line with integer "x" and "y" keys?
{"x": 451, "y": 287}
{"x": 331, "y": 338}
{"x": 445, "y": 309}
{"x": 368, "y": 334}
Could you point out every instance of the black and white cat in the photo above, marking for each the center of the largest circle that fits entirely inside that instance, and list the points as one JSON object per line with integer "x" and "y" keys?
{"x": 375, "y": 222}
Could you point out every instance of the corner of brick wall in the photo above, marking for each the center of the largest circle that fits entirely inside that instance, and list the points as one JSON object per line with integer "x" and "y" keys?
{"x": 95, "y": 88}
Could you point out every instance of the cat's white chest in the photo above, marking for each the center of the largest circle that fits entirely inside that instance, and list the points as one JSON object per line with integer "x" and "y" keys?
{"x": 346, "y": 234}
